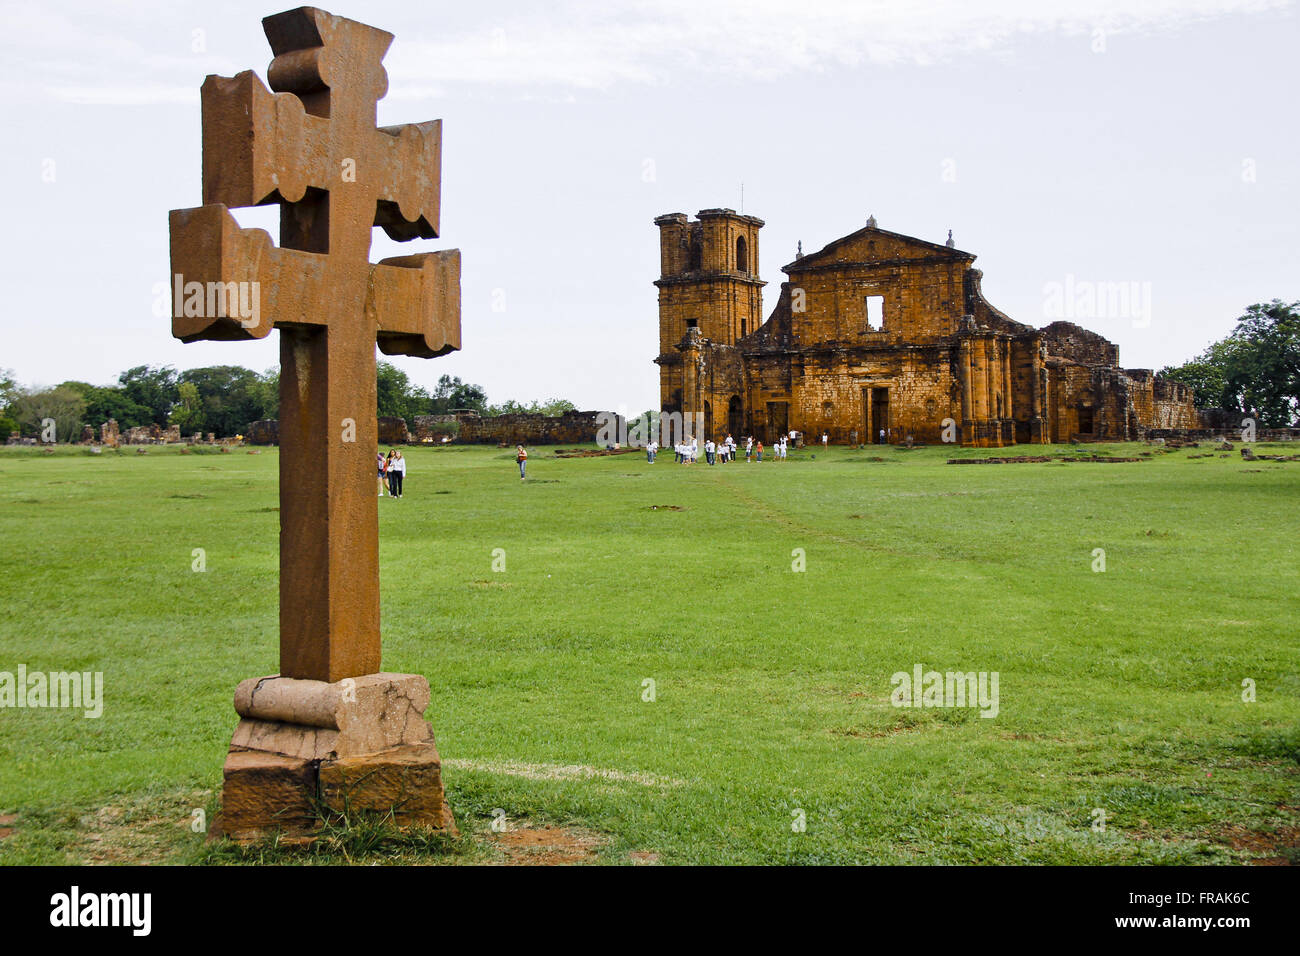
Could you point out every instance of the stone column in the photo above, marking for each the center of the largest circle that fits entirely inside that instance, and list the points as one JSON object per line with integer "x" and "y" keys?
{"x": 1036, "y": 383}
{"x": 990, "y": 375}
{"x": 967, "y": 401}
{"x": 1006, "y": 380}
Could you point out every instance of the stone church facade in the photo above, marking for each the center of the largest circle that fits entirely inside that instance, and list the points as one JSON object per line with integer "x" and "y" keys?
{"x": 880, "y": 331}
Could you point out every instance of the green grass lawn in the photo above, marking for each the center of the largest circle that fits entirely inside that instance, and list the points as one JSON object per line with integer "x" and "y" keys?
{"x": 1119, "y": 691}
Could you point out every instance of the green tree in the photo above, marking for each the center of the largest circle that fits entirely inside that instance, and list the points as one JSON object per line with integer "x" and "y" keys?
{"x": 64, "y": 405}
{"x": 230, "y": 396}
{"x": 9, "y": 388}
{"x": 1261, "y": 362}
{"x": 551, "y": 406}
{"x": 152, "y": 388}
{"x": 451, "y": 394}
{"x": 109, "y": 401}
{"x": 269, "y": 393}
{"x": 188, "y": 412}
{"x": 1255, "y": 369}
{"x": 394, "y": 388}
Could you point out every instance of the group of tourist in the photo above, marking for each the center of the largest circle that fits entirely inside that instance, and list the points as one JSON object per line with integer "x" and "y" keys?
{"x": 688, "y": 453}
{"x": 392, "y": 470}
{"x": 392, "y": 473}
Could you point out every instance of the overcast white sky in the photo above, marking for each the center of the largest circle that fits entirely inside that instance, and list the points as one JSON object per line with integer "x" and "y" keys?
{"x": 1108, "y": 141}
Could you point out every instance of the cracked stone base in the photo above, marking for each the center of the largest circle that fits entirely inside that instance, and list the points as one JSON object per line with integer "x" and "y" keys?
{"x": 306, "y": 748}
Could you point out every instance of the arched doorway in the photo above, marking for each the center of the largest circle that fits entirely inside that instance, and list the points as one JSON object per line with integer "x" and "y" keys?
{"x": 735, "y": 417}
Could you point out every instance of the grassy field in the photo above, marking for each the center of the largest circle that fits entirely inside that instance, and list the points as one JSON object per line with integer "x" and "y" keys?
{"x": 1119, "y": 691}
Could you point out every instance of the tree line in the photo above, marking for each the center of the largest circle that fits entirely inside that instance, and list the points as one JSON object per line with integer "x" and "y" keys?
{"x": 221, "y": 399}
{"x": 1254, "y": 370}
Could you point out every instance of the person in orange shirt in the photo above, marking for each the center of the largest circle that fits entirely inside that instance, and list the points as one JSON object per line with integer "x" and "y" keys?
{"x": 521, "y": 456}
{"x": 760, "y": 451}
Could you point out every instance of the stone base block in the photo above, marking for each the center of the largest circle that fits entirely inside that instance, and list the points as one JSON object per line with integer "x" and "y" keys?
{"x": 405, "y": 779}
{"x": 306, "y": 748}
{"x": 266, "y": 793}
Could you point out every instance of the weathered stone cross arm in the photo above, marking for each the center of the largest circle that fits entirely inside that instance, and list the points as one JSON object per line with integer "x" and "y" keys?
{"x": 412, "y": 302}
{"x": 317, "y": 131}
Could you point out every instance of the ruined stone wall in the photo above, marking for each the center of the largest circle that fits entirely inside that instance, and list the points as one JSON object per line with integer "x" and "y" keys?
{"x": 1076, "y": 344}
{"x": 1091, "y": 402}
{"x": 1142, "y": 394}
{"x": 1173, "y": 406}
{"x": 1221, "y": 434}
{"x": 573, "y": 428}
{"x": 721, "y": 381}
{"x": 432, "y": 427}
{"x": 768, "y": 378}
{"x": 829, "y": 390}
{"x": 1068, "y": 388}
{"x": 922, "y": 302}
{"x": 835, "y": 394}
{"x": 151, "y": 435}
{"x": 264, "y": 432}
{"x": 393, "y": 431}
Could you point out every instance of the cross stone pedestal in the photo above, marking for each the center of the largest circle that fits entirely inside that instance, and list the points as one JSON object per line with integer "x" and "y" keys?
{"x": 305, "y": 749}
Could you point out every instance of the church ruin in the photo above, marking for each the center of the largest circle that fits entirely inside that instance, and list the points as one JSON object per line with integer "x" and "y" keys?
{"x": 880, "y": 331}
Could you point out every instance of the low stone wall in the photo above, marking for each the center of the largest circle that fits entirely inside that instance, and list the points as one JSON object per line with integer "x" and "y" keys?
{"x": 1220, "y": 434}
{"x": 151, "y": 435}
{"x": 432, "y": 427}
{"x": 392, "y": 431}
{"x": 572, "y": 428}
{"x": 264, "y": 432}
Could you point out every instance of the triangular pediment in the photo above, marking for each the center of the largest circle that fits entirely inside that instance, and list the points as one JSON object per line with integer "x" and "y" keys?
{"x": 873, "y": 244}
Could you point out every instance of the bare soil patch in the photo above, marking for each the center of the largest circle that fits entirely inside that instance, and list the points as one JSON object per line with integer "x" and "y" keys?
{"x": 546, "y": 846}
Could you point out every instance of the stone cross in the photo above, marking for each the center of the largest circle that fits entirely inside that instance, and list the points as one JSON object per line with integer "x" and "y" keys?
{"x": 313, "y": 148}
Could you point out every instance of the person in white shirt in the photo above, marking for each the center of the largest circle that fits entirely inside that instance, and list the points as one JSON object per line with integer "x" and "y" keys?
{"x": 650, "y": 450}
{"x": 749, "y": 448}
{"x": 825, "y": 439}
{"x": 396, "y": 474}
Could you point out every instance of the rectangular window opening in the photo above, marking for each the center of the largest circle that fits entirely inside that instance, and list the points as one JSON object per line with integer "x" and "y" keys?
{"x": 875, "y": 305}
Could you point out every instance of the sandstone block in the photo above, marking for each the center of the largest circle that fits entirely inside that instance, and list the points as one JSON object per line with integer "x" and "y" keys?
{"x": 316, "y": 719}
{"x": 266, "y": 793}
{"x": 406, "y": 779}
